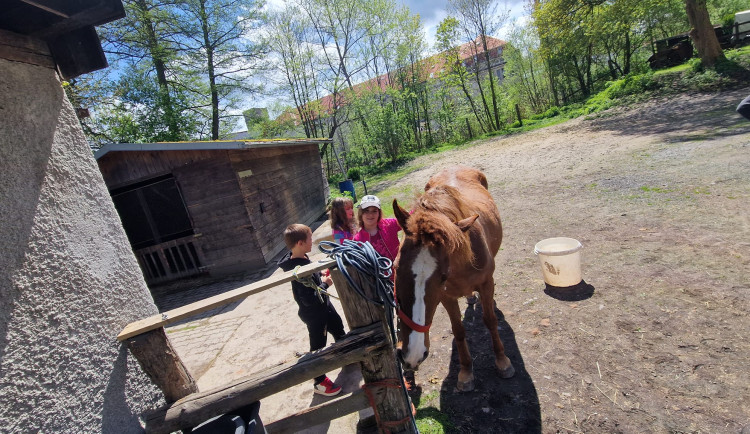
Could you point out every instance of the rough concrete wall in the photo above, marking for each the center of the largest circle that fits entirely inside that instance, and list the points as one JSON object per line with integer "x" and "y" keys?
{"x": 69, "y": 282}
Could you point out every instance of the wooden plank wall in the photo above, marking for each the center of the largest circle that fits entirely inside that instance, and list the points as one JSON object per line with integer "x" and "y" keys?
{"x": 26, "y": 49}
{"x": 223, "y": 232}
{"x": 288, "y": 182}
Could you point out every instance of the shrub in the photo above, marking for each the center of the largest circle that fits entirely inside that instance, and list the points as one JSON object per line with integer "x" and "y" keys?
{"x": 354, "y": 174}
{"x": 552, "y": 112}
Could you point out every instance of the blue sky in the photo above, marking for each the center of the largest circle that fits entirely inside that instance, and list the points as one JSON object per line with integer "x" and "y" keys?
{"x": 434, "y": 11}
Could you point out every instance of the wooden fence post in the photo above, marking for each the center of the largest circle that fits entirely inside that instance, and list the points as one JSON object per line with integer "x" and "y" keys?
{"x": 160, "y": 362}
{"x": 381, "y": 368}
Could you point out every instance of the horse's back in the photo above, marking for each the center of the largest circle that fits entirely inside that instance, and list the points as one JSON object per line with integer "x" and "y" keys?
{"x": 458, "y": 177}
{"x": 472, "y": 184}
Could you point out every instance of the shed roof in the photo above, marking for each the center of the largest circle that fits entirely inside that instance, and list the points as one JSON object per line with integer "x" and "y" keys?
{"x": 206, "y": 145}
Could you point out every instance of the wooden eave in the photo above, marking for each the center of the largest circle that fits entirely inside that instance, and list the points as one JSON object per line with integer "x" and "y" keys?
{"x": 60, "y": 33}
{"x": 206, "y": 145}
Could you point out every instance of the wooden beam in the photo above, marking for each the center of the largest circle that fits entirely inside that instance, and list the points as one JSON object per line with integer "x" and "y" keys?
{"x": 328, "y": 411}
{"x": 174, "y": 315}
{"x": 160, "y": 362}
{"x": 98, "y": 13}
{"x": 25, "y": 49}
{"x": 53, "y": 9}
{"x": 199, "y": 407}
{"x": 381, "y": 367}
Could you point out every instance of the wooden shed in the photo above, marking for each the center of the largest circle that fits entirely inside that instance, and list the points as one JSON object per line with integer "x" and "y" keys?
{"x": 216, "y": 207}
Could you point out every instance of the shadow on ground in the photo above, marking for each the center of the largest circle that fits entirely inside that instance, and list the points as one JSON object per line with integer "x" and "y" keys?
{"x": 496, "y": 405}
{"x": 579, "y": 292}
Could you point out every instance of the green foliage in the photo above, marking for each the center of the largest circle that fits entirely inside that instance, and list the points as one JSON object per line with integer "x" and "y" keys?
{"x": 334, "y": 188}
{"x": 354, "y": 174}
{"x": 629, "y": 85}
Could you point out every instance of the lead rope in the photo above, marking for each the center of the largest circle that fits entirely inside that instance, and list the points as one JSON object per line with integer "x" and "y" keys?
{"x": 368, "y": 262}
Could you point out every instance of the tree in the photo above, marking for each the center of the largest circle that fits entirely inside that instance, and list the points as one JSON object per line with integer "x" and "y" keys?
{"x": 216, "y": 37}
{"x": 455, "y": 73}
{"x": 143, "y": 51}
{"x": 480, "y": 19}
{"x": 289, "y": 40}
{"x": 702, "y": 32}
{"x": 526, "y": 77}
{"x": 341, "y": 27}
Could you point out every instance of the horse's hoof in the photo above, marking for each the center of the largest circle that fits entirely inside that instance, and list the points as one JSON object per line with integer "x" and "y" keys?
{"x": 507, "y": 372}
{"x": 465, "y": 386}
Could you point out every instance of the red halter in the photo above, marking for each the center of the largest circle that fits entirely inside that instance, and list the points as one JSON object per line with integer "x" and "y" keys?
{"x": 405, "y": 318}
{"x": 412, "y": 325}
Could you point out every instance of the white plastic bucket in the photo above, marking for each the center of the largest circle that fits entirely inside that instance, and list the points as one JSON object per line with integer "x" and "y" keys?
{"x": 560, "y": 259}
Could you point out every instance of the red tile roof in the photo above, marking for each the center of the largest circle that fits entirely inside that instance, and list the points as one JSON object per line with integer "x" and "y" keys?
{"x": 434, "y": 65}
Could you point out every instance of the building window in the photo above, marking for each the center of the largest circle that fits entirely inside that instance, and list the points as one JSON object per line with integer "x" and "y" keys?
{"x": 152, "y": 211}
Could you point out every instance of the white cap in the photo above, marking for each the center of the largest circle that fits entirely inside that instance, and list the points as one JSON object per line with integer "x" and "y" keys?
{"x": 369, "y": 201}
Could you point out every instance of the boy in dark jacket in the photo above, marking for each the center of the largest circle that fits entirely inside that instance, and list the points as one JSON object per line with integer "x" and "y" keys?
{"x": 315, "y": 309}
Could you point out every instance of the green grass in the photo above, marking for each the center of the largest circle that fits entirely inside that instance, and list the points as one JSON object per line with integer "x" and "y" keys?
{"x": 430, "y": 420}
{"x": 656, "y": 189}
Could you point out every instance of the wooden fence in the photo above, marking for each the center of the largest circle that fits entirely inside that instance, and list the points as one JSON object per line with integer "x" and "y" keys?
{"x": 369, "y": 343}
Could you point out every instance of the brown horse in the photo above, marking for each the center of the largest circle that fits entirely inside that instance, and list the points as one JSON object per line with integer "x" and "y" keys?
{"x": 448, "y": 252}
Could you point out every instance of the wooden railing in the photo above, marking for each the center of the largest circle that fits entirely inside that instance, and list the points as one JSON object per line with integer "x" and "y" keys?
{"x": 369, "y": 343}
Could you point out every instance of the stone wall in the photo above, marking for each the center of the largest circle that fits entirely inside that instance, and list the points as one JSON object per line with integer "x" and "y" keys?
{"x": 69, "y": 282}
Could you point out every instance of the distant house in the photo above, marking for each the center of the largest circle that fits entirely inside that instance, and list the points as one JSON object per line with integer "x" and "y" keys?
{"x": 470, "y": 54}
{"x": 212, "y": 207}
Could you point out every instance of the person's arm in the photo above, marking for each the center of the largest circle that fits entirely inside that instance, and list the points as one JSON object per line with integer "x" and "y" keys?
{"x": 305, "y": 296}
{"x": 744, "y": 108}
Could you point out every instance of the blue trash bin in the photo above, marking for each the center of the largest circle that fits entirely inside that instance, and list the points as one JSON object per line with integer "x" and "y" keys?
{"x": 348, "y": 185}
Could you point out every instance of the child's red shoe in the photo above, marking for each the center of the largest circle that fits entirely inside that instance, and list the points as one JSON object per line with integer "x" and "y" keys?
{"x": 327, "y": 388}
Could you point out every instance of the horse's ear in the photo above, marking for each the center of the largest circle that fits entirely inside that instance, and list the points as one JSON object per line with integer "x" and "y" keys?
{"x": 401, "y": 216}
{"x": 466, "y": 223}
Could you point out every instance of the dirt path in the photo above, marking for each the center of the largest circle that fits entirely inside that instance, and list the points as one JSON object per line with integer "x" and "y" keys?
{"x": 659, "y": 195}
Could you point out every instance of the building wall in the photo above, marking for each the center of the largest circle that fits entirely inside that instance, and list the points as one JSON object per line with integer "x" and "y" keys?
{"x": 240, "y": 201}
{"x": 69, "y": 282}
{"x": 209, "y": 188}
{"x": 280, "y": 186}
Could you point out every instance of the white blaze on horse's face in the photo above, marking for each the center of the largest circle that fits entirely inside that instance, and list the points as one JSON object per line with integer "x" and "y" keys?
{"x": 424, "y": 266}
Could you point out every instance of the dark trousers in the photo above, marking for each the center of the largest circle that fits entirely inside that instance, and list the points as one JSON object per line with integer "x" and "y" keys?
{"x": 318, "y": 328}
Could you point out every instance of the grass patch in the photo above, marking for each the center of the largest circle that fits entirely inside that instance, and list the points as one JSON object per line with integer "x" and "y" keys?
{"x": 656, "y": 189}
{"x": 430, "y": 420}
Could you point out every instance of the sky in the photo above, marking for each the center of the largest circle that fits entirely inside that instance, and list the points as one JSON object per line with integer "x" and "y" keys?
{"x": 434, "y": 11}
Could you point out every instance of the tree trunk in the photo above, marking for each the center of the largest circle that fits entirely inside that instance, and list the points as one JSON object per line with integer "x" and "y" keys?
{"x": 702, "y": 32}
{"x": 160, "y": 66}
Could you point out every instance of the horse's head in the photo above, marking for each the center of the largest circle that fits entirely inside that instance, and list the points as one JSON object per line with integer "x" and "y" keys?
{"x": 423, "y": 266}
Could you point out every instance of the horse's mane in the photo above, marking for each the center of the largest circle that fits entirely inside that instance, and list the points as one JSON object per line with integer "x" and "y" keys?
{"x": 432, "y": 222}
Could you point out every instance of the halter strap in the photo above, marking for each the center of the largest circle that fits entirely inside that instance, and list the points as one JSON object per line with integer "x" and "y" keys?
{"x": 412, "y": 325}
{"x": 405, "y": 318}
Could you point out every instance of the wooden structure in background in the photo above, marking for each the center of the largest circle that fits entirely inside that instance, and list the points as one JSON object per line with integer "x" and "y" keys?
{"x": 368, "y": 343}
{"x": 56, "y": 34}
{"x": 212, "y": 207}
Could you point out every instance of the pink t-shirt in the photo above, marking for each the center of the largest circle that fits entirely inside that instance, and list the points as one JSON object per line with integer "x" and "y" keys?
{"x": 385, "y": 242}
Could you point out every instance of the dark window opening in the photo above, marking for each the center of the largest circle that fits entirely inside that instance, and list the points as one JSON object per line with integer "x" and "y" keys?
{"x": 152, "y": 212}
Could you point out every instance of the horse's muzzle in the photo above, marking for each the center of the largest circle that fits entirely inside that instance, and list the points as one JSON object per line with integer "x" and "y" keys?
{"x": 407, "y": 365}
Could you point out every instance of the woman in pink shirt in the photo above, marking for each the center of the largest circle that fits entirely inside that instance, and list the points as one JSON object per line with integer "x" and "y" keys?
{"x": 381, "y": 232}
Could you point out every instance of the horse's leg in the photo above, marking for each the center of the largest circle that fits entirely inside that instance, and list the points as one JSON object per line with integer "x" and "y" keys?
{"x": 465, "y": 374}
{"x": 490, "y": 320}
